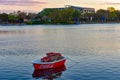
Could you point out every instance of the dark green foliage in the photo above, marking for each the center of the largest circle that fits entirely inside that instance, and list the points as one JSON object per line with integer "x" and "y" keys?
{"x": 56, "y": 16}
{"x": 66, "y": 15}
{"x": 16, "y": 17}
{"x": 4, "y": 17}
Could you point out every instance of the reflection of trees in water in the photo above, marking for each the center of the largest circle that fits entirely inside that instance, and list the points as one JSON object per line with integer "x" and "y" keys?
{"x": 11, "y": 32}
{"x": 49, "y": 74}
{"x": 23, "y": 31}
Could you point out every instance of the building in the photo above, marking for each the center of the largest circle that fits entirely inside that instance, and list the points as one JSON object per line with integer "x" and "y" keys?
{"x": 81, "y": 9}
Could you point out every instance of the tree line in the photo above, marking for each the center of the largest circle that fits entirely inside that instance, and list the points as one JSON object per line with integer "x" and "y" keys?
{"x": 16, "y": 17}
{"x": 64, "y": 16}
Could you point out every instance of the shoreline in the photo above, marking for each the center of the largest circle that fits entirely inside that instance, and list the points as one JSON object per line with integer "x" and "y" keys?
{"x": 22, "y": 24}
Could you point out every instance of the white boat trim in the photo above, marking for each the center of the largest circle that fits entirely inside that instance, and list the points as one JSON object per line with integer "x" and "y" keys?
{"x": 38, "y": 61}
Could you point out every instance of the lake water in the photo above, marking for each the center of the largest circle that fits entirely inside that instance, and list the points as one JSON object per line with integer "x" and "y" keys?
{"x": 92, "y": 50}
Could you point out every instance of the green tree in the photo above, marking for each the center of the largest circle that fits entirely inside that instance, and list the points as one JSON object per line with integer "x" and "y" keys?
{"x": 112, "y": 13}
{"x": 118, "y": 15}
{"x": 77, "y": 15}
{"x": 67, "y": 15}
{"x": 21, "y": 15}
{"x": 12, "y": 17}
{"x": 111, "y": 9}
{"x": 55, "y": 16}
{"x": 46, "y": 11}
{"x": 4, "y": 17}
{"x": 31, "y": 16}
{"x": 102, "y": 13}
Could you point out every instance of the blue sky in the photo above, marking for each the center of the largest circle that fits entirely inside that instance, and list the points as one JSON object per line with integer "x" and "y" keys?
{"x": 38, "y": 5}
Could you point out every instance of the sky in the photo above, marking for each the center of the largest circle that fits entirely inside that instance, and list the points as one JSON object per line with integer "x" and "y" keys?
{"x": 38, "y": 5}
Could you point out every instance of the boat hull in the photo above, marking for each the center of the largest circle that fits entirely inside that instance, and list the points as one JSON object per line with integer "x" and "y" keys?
{"x": 47, "y": 65}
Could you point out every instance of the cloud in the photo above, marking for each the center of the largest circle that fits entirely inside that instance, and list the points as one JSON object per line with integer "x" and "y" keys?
{"x": 21, "y": 2}
{"x": 112, "y": 3}
{"x": 11, "y": 11}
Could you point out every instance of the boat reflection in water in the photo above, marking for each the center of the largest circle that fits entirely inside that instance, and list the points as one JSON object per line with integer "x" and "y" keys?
{"x": 49, "y": 74}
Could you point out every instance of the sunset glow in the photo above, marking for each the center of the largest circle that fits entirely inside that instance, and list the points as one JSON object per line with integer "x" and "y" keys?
{"x": 38, "y": 5}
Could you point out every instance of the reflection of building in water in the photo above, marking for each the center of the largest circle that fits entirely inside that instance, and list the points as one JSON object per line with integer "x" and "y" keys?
{"x": 49, "y": 74}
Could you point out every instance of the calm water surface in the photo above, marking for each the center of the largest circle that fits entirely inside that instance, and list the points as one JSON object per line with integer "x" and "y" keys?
{"x": 92, "y": 51}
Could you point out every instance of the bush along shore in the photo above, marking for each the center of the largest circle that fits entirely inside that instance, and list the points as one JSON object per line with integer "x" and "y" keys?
{"x": 65, "y": 16}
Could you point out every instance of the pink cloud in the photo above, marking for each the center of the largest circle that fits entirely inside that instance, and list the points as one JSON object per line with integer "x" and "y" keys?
{"x": 20, "y": 2}
{"x": 110, "y": 3}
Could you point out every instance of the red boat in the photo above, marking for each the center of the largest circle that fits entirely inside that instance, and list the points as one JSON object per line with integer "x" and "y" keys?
{"x": 46, "y": 62}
